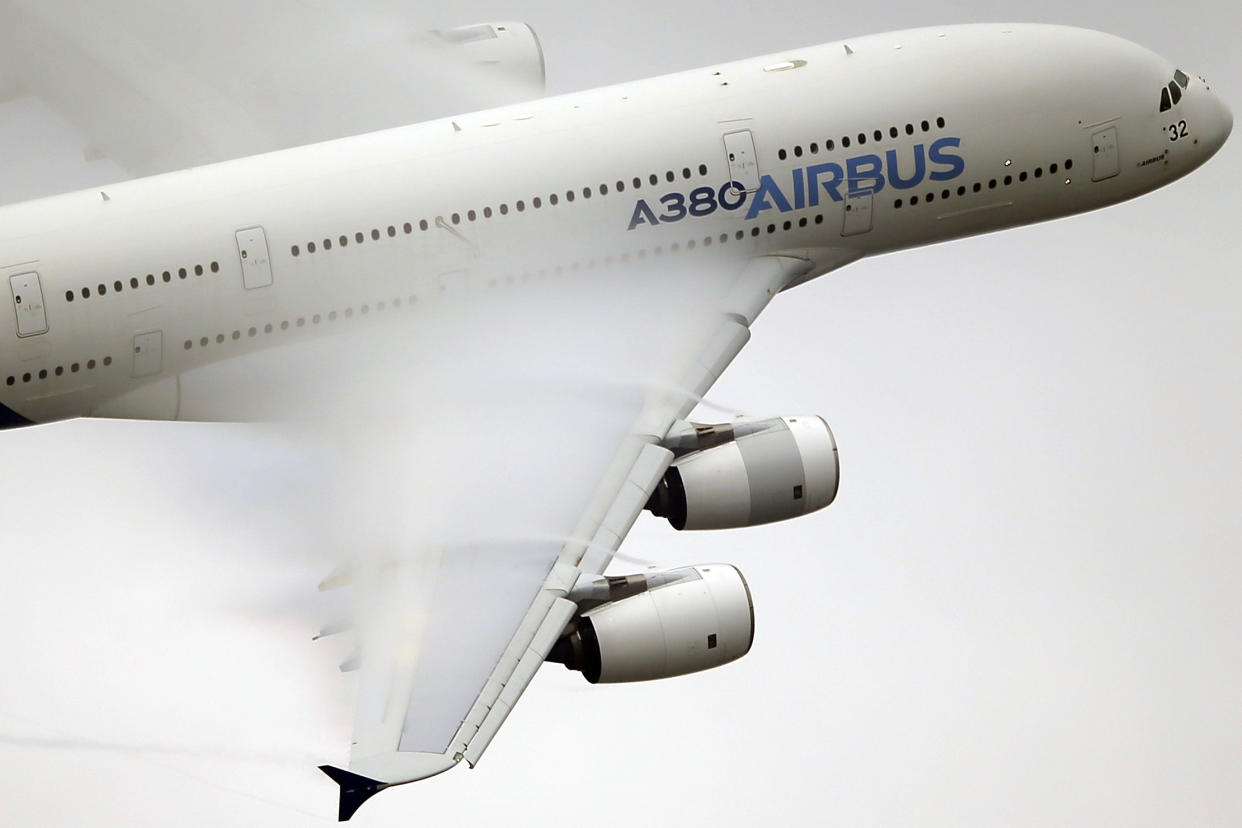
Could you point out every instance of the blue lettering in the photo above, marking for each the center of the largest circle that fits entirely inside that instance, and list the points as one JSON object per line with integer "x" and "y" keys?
{"x": 676, "y": 207}
{"x": 831, "y": 185}
{"x": 768, "y": 188}
{"x": 894, "y": 169}
{"x": 799, "y": 189}
{"x": 866, "y": 174}
{"x": 642, "y": 215}
{"x": 953, "y": 161}
{"x": 733, "y": 188}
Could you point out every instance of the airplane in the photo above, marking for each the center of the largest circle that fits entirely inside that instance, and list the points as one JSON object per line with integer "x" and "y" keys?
{"x": 758, "y": 176}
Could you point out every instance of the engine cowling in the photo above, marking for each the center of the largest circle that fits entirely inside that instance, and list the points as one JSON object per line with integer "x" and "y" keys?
{"x": 694, "y": 619}
{"x": 777, "y": 469}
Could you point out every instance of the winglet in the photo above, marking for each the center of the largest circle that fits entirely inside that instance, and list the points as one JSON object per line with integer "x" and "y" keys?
{"x": 355, "y": 790}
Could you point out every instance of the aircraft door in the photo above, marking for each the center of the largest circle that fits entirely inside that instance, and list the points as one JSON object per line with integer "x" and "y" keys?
{"x": 148, "y": 353}
{"x": 857, "y": 213}
{"x": 743, "y": 162}
{"x": 255, "y": 262}
{"x": 28, "y": 302}
{"x": 1104, "y": 159}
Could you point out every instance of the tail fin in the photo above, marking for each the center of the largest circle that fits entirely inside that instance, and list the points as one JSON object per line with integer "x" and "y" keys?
{"x": 355, "y": 790}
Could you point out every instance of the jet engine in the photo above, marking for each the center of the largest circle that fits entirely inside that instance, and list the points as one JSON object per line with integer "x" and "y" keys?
{"x": 748, "y": 473}
{"x": 662, "y": 624}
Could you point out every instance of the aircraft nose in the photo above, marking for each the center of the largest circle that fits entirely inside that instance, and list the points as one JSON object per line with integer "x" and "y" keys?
{"x": 1222, "y": 123}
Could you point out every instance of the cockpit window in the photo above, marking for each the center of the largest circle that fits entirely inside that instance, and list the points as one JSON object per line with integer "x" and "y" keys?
{"x": 1165, "y": 103}
{"x": 1182, "y": 80}
{"x": 1175, "y": 91}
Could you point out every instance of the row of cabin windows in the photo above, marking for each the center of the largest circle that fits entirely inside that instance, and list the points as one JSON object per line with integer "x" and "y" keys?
{"x": 520, "y": 206}
{"x": 299, "y": 322}
{"x": 877, "y": 135}
{"x": 1172, "y": 94}
{"x": 58, "y": 371}
{"x": 992, "y": 184}
{"x": 624, "y": 258}
{"x": 167, "y": 276}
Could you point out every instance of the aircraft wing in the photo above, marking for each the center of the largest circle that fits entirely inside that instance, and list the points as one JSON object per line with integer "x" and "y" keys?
{"x": 157, "y": 87}
{"x": 447, "y": 676}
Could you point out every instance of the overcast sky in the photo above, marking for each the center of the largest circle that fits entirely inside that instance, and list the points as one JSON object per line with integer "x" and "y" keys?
{"x": 1023, "y": 608}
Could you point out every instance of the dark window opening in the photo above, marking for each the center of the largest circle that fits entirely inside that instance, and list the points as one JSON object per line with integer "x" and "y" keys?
{"x": 1182, "y": 80}
{"x": 1175, "y": 91}
{"x": 940, "y": 122}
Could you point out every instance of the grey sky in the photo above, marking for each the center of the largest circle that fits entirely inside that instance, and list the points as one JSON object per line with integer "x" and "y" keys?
{"x": 1022, "y": 609}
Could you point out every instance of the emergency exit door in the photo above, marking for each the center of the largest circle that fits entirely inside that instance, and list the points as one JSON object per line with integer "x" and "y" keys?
{"x": 857, "y": 213}
{"x": 28, "y": 302}
{"x": 743, "y": 162}
{"x": 1104, "y": 159}
{"x": 255, "y": 262}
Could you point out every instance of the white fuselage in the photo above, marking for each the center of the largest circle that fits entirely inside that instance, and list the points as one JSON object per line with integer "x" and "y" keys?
{"x": 859, "y": 148}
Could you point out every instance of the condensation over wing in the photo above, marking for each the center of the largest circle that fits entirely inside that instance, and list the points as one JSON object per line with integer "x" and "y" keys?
{"x": 162, "y": 86}
{"x": 451, "y": 638}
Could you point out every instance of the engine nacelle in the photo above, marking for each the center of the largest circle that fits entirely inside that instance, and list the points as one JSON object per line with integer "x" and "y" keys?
{"x": 773, "y": 470}
{"x": 690, "y": 620}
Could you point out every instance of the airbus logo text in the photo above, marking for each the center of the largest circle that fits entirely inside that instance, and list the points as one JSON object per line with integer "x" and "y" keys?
{"x": 859, "y": 175}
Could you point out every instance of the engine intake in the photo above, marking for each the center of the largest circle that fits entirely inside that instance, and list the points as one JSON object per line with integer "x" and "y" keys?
{"x": 749, "y": 474}
{"x": 690, "y": 619}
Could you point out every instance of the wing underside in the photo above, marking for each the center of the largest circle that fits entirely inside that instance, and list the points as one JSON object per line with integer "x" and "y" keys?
{"x": 426, "y": 706}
